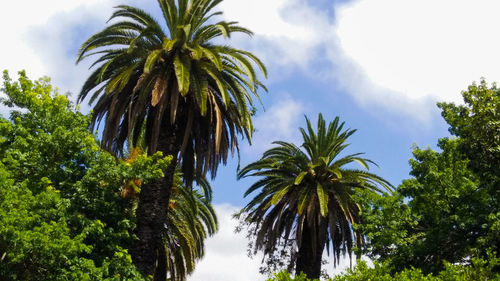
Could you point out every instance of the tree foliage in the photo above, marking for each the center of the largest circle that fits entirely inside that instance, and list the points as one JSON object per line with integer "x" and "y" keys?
{"x": 477, "y": 124}
{"x": 437, "y": 215}
{"x": 449, "y": 209}
{"x": 479, "y": 269}
{"x": 61, "y": 213}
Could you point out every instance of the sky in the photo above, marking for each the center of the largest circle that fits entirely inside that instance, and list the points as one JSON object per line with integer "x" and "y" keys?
{"x": 380, "y": 65}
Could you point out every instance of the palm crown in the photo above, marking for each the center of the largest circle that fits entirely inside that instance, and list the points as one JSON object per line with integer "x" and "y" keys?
{"x": 309, "y": 190}
{"x": 174, "y": 80}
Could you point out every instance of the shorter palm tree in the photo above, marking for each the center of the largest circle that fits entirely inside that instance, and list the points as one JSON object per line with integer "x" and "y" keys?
{"x": 307, "y": 196}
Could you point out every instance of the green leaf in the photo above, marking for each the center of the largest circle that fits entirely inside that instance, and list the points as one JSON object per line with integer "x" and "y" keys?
{"x": 303, "y": 200}
{"x": 212, "y": 57}
{"x": 300, "y": 177}
{"x": 223, "y": 28}
{"x": 151, "y": 60}
{"x": 204, "y": 96}
{"x": 362, "y": 163}
{"x": 323, "y": 199}
{"x": 279, "y": 195}
{"x": 325, "y": 160}
{"x": 168, "y": 45}
{"x": 196, "y": 53}
{"x": 187, "y": 29}
{"x": 336, "y": 172}
{"x": 220, "y": 85}
{"x": 181, "y": 66}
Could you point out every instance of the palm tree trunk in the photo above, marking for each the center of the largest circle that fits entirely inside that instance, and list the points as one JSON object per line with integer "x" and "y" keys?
{"x": 151, "y": 215}
{"x": 310, "y": 251}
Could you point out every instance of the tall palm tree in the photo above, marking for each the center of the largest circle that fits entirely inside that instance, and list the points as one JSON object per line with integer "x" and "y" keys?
{"x": 191, "y": 96}
{"x": 307, "y": 195}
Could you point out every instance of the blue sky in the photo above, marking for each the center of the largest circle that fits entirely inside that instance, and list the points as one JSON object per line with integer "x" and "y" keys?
{"x": 381, "y": 65}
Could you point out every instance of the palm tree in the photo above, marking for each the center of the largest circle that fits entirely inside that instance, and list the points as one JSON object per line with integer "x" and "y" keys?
{"x": 191, "y": 97}
{"x": 307, "y": 196}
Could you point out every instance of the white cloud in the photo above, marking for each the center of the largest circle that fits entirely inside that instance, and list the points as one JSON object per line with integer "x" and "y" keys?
{"x": 18, "y": 18}
{"x": 397, "y": 54}
{"x": 292, "y": 35}
{"x": 400, "y": 55}
{"x": 271, "y": 22}
{"x": 287, "y": 31}
{"x": 57, "y": 42}
{"x": 386, "y": 104}
{"x": 39, "y": 37}
{"x": 422, "y": 49}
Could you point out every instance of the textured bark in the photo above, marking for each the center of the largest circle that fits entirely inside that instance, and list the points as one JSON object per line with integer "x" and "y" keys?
{"x": 151, "y": 212}
{"x": 148, "y": 251}
{"x": 311, "y": 250}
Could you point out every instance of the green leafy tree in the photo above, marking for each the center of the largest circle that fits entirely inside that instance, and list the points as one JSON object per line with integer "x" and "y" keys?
{"x": 61, "y": 213}
{"x": 307, "y": 195}
{"x": 191, "y": 96}
{"x": 477, "y": 124}
{"x": 449, "y": 209}
{"x": 437, "y": 215}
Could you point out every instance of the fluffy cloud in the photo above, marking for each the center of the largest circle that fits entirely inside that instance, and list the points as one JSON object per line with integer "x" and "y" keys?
{"x": 400, "y": 55}
{"x": 422, "y": 48}
{"x": 23, "y": 48}
{"x": 295, "y": 38}
{"x": 406, "y": 55}
{"x": 287, "y": 32}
